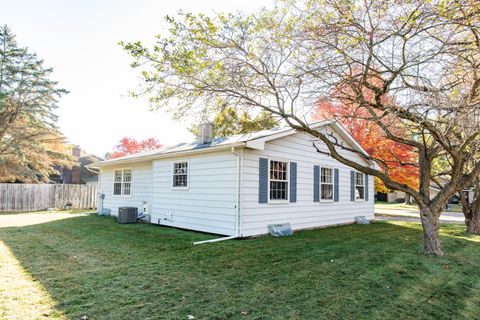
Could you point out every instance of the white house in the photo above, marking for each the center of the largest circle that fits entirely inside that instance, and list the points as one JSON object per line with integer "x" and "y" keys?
{"x": 238, "y": 185}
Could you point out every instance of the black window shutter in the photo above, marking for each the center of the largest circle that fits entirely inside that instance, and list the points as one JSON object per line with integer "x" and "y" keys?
{"x": 263, "y": 180}
{"x": 336, "y": 195}
{"x": 293, "y": 182}
{"x": 316, "y": 183}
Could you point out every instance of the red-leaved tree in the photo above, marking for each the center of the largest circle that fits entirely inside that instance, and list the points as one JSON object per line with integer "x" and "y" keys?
{"x": 130, "y": 146}
{"x": 399, "y": 160}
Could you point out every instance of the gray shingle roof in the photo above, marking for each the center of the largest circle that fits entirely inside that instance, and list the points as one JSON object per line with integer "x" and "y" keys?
{"x": 224, "y": 143}
{"x": 190, "y": 146}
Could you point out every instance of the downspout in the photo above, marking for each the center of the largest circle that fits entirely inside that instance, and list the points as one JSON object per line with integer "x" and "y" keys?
{"x": 237, "y": 199}
{"x": 237, "y": 205}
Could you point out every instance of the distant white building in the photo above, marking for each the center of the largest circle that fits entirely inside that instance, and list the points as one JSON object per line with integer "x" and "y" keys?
{"x": 239, "y": 185}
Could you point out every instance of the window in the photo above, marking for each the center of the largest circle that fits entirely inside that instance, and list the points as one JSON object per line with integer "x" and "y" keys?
{"x": 278, "y": 181}
{"x": 326, "y": 184}
{"x": 180, "y": 174}
{"x": 359, "y": 186}
{"x": 122, "y": 184}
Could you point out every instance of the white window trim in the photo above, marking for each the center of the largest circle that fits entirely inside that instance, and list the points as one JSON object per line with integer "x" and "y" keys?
{"x": 131, "y": 183}
{"x": 270, "y": 201}
{"x": 360, "y": 185}
{"x": 188, "y": 176}
{"x": 333, "y": 185}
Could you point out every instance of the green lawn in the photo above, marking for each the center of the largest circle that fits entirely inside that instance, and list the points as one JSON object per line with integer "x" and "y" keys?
{"x": 90, "y": 265}
{"x": 393, "y": 205}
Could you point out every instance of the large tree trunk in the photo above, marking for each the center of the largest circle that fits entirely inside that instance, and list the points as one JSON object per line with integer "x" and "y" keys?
{"x": 431, "y": 232}
{"x": 471, "y": 211}
{"x": 473, "y": 222}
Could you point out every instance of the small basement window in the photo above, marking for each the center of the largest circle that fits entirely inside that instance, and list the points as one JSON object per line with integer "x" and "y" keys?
{"x": 122, "y": 184}
{"x": 359, "y": 186}
{"x": 180, "y": 174}
{"x": 326, "y": 184}
{"x": 278, "y": 180}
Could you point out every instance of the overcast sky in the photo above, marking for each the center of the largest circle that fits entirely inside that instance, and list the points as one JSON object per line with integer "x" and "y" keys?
{"x": 79, "y": 40}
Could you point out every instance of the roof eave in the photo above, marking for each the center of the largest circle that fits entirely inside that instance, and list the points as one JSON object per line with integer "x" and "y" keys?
{"x": 120, "y": 161}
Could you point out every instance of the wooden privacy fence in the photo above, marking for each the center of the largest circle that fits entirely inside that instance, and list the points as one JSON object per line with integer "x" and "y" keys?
{"x": 32, "y": 197}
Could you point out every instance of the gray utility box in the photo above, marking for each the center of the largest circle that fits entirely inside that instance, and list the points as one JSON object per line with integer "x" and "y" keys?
{"x": 127, "y": 215}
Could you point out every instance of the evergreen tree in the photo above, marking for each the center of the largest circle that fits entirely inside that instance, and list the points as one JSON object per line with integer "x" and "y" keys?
{"x": 30, "y": 143}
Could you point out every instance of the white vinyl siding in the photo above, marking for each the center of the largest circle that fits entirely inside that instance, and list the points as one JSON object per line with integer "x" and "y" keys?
{"x": 140, "y": 187}
{"x": 209, "y": 205}
{"x": 304, "y": 213}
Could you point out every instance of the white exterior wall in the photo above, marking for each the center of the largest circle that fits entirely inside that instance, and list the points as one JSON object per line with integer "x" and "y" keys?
{"x": 305, "y": 213}
{"x": 141, "y": 188}
{"x": 209, "y": 203}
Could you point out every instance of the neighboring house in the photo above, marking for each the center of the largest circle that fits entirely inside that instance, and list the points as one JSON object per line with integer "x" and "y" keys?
{"x": 400, "y": 196}
{"x": 396, "y": 196}
{"x": 69, "y": 175}
{"x": 79, "y": 172}
{"x": 88, "y": 176}
{"x": 239, "y": 185}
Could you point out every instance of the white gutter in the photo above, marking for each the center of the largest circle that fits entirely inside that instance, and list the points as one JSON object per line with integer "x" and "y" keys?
{"x": 173, "y": 154}
{"x": 237, "y": 206}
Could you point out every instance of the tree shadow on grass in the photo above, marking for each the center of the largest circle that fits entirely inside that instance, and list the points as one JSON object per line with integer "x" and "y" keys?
{"x": 93, "y": 266}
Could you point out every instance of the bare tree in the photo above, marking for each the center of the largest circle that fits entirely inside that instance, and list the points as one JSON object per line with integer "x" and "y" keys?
{"x": 287, "y": 59}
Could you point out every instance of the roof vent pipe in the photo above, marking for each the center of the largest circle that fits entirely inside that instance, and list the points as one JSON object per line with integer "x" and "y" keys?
{"x": 205, "y": 133}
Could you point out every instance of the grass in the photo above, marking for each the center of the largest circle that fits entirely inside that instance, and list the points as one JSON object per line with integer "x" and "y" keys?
{"x": 90, "y": 265}
{"x": 394, "y": 205}
{"x": 455, "y": 208}
{"x": 403, "y": 206}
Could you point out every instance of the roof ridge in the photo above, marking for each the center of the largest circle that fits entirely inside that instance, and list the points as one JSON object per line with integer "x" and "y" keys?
{"x": 226, "y": 141}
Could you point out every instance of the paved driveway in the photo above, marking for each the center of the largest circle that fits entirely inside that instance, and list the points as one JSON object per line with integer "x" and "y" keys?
{"x": 413, "y": 215}
{"x": 31, "y": 218}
